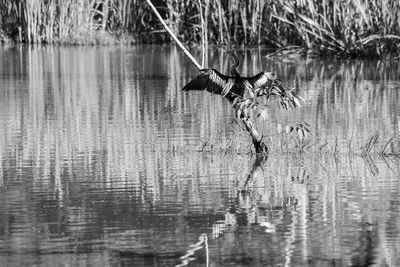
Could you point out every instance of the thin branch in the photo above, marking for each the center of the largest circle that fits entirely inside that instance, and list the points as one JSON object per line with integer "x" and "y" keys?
{"x": 174, "y": 36}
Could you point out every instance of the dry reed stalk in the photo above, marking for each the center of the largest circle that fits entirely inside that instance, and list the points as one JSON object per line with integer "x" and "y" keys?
{"x": 220, "y": 24}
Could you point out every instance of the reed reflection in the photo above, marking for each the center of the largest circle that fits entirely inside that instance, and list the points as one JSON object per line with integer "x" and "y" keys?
{"x": 312, "y": 216}
{"x": 350, "y": 100}
{"x": 97, "y": 161}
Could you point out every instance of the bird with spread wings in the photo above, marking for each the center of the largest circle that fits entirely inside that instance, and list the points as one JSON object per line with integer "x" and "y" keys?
{"x": 242, "y": 93}
{"x": 236, "y": 88}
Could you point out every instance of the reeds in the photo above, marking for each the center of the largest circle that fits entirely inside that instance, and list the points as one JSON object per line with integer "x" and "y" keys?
{"x": 53, "y": 21}
{"x": 348, "y": 27}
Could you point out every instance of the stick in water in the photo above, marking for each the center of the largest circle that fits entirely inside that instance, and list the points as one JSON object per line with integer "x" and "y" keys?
{"x": 173, "y": 36}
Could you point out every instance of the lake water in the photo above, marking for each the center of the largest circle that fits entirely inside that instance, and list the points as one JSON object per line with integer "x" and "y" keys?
{"x": 104, "y": 161}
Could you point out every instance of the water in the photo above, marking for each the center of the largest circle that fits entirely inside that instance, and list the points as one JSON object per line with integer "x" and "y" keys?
{"x": 98, "y": 164}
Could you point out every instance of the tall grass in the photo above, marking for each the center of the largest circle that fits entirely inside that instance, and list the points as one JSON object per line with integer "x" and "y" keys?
{"x": 348, "y": 27}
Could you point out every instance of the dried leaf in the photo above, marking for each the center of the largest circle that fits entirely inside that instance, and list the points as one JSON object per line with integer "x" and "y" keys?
{"x": 284, "y": 104}
{"x": 235, "y": 101}
{"x": 296, "y": 101}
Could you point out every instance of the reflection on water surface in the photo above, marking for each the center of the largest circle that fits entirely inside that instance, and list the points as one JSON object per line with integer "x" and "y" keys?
{"x": 98, "y": 164}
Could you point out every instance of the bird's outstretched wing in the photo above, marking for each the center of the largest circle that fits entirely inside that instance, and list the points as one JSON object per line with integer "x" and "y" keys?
{"x": 212, "y": 81}
{"x": 261, "y": 80}
{"x": 266, "y": 84}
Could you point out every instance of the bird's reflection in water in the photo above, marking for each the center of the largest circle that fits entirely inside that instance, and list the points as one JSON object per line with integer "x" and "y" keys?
{"x": 254, "y": 206}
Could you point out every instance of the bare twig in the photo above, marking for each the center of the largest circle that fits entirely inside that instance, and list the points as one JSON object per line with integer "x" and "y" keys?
{"x": 368, "y": 147}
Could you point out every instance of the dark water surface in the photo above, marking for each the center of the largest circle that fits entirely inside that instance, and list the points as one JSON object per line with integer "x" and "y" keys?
{"x": 98, "y": 164}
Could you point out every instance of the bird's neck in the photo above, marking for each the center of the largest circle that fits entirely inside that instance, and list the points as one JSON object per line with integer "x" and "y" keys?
{"x": 234, "y": 72}
{"x": 235, "y": 65}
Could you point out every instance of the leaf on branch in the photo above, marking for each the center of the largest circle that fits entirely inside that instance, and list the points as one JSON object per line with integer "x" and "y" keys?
{"x": 283, "y": 103}
{"x": 296, "y": 101}
{"x": 245, "y": 103}
{"x": 235, "y": 101}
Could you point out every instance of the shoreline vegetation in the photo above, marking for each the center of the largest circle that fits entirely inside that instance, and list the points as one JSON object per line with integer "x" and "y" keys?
{"x": 347, "y": 28}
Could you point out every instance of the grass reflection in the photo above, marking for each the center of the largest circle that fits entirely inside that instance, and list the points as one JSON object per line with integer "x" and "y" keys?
{"x": 97, "y": 152}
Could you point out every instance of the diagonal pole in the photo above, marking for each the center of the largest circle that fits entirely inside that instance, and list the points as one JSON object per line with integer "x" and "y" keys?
{"x": 174, "y": 36}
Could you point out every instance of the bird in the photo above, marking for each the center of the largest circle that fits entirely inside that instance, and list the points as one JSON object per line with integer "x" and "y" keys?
{"x": 234, "y": 87}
